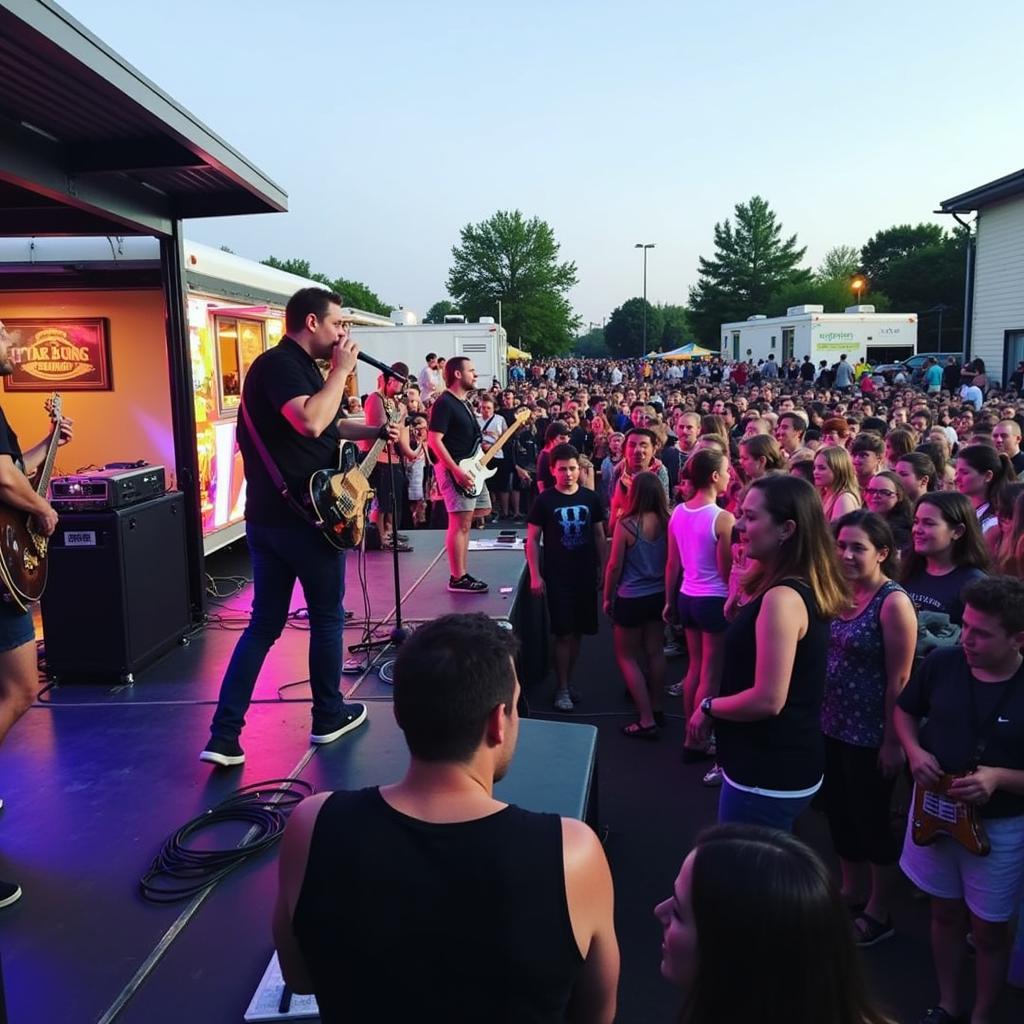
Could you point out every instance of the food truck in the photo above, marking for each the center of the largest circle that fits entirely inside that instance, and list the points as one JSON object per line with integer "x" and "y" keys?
{"x": 88, "y": 314}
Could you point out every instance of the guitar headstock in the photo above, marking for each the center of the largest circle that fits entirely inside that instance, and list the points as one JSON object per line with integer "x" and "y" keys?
{"x": 54, "y": 406}
{"x": 521, "y": 417}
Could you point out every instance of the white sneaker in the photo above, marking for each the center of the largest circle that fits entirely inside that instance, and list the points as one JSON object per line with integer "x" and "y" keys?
{"x": 563, "y": 702}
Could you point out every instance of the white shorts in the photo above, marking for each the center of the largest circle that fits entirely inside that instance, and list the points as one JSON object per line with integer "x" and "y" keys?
{"x": 991, "y": 886}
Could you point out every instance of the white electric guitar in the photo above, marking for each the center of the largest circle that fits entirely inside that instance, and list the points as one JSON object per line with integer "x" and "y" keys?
{"x": 476, "y": 466}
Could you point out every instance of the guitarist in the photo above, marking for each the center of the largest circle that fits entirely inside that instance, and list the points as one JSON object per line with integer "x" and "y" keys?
{"x": 382, "y": 405}
{"x": 973, "y": 700}
{"x": 297, "y": 414}
{"x": 454, "y": 435}
{"x": 19, "y": 673}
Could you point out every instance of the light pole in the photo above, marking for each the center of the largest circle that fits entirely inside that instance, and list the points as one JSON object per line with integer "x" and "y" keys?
{"x": 645, "y": 247}
{"x": 857, "y": 284}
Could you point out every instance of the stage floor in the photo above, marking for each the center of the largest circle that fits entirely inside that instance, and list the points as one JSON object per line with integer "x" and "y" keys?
{"x": 96, "y": 777}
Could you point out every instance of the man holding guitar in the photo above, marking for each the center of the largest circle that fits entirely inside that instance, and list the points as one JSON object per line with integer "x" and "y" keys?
{"x": 19, "y": 674}
{"x": 295, "y": 414}
{"x": 967, "y": 759}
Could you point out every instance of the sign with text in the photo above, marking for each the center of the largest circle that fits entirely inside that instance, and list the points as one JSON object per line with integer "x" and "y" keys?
{"x": 73, "y": 355}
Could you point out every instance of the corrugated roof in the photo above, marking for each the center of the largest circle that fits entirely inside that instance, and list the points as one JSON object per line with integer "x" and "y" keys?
{"x": 85, "y": 129}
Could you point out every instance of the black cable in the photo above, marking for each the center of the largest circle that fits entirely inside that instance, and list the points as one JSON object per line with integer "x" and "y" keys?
{"x": 179, "y": 872}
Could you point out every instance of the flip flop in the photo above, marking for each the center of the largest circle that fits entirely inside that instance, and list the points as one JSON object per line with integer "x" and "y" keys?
{"x": 636, "y": 731}
{"x": 870, "y": 930}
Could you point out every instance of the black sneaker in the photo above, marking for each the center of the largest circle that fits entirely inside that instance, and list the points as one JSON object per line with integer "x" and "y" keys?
{"x": 352, "y": 716}
{"x": 10, "y": 892}
{"x": 466, "y": 585}
{"x": 226, "y": 753}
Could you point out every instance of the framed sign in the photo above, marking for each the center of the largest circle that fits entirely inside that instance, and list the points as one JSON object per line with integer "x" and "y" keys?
{"x": 73, "y": 355}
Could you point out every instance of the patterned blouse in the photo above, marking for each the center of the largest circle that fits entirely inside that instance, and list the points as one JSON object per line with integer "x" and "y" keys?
{"x": 853, "y": 708}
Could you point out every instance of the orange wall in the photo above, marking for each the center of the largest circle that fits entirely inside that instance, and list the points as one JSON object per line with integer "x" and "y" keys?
{"x": 133, "y": 421}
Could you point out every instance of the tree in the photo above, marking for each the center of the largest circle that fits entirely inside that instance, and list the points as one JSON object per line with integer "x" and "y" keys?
{"x": 676, "y": 329}
{"x": 888, "y": 247}
{"x": 624, "y": 331}
{"x": 439, "y": 310}
{"x": 353, "y": 293}
{"x": 751, "y": 263}
{"x": 591, "y": 345}
{"x": 513, "y": 260}
{"x": 833, "y": 293}
{"x": 840, "y": 262}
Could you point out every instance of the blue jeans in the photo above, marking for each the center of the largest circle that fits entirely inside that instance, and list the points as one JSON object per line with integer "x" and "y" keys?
{"x": 280, "y": 555}
{"x": 738, "y": 807}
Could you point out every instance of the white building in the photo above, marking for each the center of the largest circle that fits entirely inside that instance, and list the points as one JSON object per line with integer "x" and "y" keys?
{"x": 997, "y": 309}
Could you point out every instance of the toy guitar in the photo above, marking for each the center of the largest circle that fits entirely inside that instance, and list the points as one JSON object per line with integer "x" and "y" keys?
{"x": 936, "y": 813}
{"x": 476, "y": 466}
{"x": 23, "y": 549}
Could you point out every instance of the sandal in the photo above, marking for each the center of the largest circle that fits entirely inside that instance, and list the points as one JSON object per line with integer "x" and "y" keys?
{"x": 637, "y": 731}
{"x": 870, "y": 930}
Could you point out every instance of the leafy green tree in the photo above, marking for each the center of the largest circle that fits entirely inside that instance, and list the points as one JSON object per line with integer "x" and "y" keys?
{"x": 624, "y": 332}
{"x": 353, "y": 293}
{"x": 591, "y": 345}
{"x": 887, "y": 248}
{"x": 752, "y": 261}
{"x": 439, "y": 310}
{"x": 833, "y": 293}
{"x": 676, "y": 329}
{"x": 514, "y": 260}
{"x": 840, "y": 262}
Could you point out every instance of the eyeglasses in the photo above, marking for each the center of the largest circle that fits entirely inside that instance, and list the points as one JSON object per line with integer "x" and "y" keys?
{"x": 880, "y": 492}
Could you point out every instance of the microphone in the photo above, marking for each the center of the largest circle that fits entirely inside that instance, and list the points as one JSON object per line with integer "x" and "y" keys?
{"x": 383, "y": 367}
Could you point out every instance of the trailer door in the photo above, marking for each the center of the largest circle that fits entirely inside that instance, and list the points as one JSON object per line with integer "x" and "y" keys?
{"x": 480, "y": 350}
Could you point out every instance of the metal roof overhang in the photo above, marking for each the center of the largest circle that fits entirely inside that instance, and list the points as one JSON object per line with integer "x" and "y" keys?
{"x": 88, "y": 145}
{"x": 984, "y": 195}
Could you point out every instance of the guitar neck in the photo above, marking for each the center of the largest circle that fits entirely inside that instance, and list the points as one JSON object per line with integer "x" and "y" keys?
{"x": 51, "y": 456}
{"x": 366, "y": 467}
{"x": 497, "y": 446}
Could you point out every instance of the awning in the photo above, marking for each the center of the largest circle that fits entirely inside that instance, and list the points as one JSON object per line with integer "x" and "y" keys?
{"x": 518, "y": 353}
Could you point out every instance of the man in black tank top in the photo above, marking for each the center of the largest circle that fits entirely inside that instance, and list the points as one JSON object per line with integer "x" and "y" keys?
{"x": 429, "y": 899}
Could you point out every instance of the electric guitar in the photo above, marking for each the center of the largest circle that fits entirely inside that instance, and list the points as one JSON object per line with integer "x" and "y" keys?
{"x": 340, "y": 497}
{"x": 22, "y": 548}
{"x": 476, "y": 465}
{"x": 936, "y": 813}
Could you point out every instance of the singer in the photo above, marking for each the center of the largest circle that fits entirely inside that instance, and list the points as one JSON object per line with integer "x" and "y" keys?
{"x": 297, "y": 419}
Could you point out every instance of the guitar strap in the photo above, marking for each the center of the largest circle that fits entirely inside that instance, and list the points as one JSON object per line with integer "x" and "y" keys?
{"x": 273, "y": 472}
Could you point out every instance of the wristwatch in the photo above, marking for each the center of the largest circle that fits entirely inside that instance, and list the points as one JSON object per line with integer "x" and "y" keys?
{"x": 705, "y": 706}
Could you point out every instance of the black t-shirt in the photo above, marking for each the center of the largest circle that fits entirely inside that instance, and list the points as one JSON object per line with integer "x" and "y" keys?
{"x": 807, "y": 371}
{"x": 570, "y": 547}
{"x": 956, "y": 705}
{"x": 452, "y": 417}
{"x": 544, "y": 474}
{"x": 941, "y": 593}
{"x": 785, "y": 752}
{"x": 1018, "y": 463}
{"x": 274, "y": 379}
{"x": 9, "y": 442}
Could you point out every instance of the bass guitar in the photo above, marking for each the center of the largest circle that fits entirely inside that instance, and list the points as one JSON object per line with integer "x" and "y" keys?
{"x": 339, "y": 498}
{"x": 476, "y": 466}
{"x": 936, "y": 813}
{"x": 22, "y": 548}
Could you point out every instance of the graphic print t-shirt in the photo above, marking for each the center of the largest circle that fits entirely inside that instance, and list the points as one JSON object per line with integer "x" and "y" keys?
{"x": 567, "y": 522}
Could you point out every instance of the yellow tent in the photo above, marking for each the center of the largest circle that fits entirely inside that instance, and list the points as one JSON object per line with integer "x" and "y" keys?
{"x": 516, "y": 353}
{"x": 691, "y": 351}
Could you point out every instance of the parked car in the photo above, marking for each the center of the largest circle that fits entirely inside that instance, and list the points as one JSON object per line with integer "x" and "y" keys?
{"x": 913, "y": 367}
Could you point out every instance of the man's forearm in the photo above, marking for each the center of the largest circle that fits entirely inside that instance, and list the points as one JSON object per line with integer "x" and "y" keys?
{"x": 321, "y": 409}
{"x": 15, "y": 490}
{"x": 349, "y": 431}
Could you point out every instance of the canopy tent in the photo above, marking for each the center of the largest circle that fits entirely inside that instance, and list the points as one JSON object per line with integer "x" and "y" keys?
{"x": 518, "y": 353}
{"x": 689, "y": 351}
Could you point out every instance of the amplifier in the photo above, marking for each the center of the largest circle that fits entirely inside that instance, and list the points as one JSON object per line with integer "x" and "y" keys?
{"x": 102, "y": 489}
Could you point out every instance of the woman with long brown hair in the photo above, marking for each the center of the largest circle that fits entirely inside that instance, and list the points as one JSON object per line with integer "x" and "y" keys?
{"x": 981, "y": 473}
{"x": 766, "y": 720}
{"x": 836, "y": 481}
{"x": 760, "y": 455}
{"x": 634, "y": 596}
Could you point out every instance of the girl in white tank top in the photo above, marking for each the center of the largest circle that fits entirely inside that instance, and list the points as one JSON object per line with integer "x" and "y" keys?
{"x": 697, "y": 577}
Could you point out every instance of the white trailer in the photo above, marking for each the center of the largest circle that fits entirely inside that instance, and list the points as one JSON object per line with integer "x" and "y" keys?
{"x": 809, "y": 331}
{"x": 400, "y": 341}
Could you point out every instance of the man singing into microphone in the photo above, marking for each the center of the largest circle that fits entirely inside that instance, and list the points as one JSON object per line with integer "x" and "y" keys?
{"x": 297, "y": 414}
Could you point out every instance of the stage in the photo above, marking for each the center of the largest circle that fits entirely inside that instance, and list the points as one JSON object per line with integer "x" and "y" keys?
{"x": 95, "y": 777}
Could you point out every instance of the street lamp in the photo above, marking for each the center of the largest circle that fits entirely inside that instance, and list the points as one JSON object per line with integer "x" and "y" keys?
{"x": 645, "y": 247}
{"x": 857, "y": 284}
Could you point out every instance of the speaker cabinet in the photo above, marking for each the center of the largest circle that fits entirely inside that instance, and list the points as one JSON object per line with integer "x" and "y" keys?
{"x": 117, "y": 592}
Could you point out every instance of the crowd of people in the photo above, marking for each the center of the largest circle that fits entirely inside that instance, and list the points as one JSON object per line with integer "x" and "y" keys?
{"x": 840, "y": 559}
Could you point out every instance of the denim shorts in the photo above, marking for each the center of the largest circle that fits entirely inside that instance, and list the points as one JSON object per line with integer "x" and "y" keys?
{"x": 16, "y": 627}
{"x": 704, "y": 613}
{"x": 454, "y": 499}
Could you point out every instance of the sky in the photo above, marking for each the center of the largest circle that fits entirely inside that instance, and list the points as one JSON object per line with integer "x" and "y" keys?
{"x": 391, "y": 125}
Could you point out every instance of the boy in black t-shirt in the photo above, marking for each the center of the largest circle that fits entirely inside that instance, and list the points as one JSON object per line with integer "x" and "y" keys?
{"x": 571, "y": 520}
{"x": 973, "y": 701}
